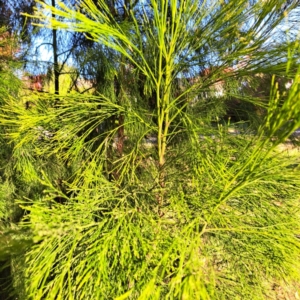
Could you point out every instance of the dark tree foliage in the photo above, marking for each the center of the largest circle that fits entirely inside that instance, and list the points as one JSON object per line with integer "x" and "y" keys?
{"x": 11, "y": 12}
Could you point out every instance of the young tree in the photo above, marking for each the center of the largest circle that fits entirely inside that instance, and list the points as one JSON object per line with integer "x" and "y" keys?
{"x": 192, "y": 217}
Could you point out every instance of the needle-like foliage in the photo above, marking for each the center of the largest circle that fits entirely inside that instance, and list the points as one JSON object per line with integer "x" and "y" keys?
{"x": 145, "y": 193}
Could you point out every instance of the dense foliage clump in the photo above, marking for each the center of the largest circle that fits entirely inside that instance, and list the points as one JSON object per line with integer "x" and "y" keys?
{"x": 141, "y": 187}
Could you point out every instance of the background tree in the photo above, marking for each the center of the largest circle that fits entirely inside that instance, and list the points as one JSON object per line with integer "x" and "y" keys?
{"x": 10, "y": 213}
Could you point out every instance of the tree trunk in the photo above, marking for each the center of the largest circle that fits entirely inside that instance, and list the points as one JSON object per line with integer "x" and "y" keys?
{"x": 55, "y": 57}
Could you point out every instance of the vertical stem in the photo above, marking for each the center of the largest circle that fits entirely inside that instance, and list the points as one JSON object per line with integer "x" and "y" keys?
{"x": 55, "y": 57}
{"x": 166, "y": 101}
{"x": 164, "y": 95}
{"x": 163, "y": 88}
{"x": 160, "y": 134}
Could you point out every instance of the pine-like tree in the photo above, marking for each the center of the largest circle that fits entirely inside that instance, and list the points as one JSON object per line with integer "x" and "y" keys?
{"x": 194, "y": 213}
